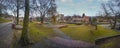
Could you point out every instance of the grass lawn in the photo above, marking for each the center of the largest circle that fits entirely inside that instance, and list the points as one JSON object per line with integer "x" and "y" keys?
{"x": 3, "y": 20}
{"x": 38, "y": 32}
{"x": 112, "y": 43}
{"x": 87, "y": 33}
{"x": 118, "y": 20}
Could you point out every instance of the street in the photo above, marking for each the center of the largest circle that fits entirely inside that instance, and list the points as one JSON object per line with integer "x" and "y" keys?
{"x": 6, "y": 35}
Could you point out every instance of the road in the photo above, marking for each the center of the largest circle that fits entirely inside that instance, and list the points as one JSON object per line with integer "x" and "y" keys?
{"x": 6, "y": 35}
{"x": 108, "y": 25}
{"x": 105, "y": 26}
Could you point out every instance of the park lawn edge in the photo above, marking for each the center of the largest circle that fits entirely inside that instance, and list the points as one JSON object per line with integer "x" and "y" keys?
{"x": 84, "y": 36}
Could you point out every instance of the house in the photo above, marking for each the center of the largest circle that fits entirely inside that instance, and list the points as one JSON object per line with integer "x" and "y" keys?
{"x": 86, "y": 19}
{"x": 21, "y": 18}
{"x": 76, "y": 18}
{"x": 68, "y": 19}
{"x": 60, "y": 18}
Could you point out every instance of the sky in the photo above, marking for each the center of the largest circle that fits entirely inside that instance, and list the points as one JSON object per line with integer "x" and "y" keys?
{"x": 78, "y": 7}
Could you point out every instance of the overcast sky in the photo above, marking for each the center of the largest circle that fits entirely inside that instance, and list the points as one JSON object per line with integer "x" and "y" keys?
{"x": 71, "y": 7}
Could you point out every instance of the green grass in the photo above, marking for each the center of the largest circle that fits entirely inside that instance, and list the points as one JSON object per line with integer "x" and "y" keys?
{"x": 118, "y": 20}
{"x": 87, "y": 33}
{"x": 104, "y": 32}
{"x": 107, "y": 45}
{"x": 112, "y": 43}
{"x": 3, "y": 20}
{"x": 39, "y": 32}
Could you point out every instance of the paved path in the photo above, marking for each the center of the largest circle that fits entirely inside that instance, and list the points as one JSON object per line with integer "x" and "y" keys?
{"x": 57, "y": 31}
{"x": 62, "y": 41}
{"x": 108, "y": 26}
{"x": 67, "y": 41}
{"x": 71, "y": 43}
{"x": 6, "y": 35}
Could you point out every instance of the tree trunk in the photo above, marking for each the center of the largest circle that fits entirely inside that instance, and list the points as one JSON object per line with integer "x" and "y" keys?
{"x": 54, "y": 19}
{"x": 17, "y": 19}
{"x": 115, "y": 21}
{"x": 24, "y": 37}
{"x": 0, "y": 11}
{"x": 96, "y": 27}
{"x": 110, "y": 22}
{"x": 42, "y": 19}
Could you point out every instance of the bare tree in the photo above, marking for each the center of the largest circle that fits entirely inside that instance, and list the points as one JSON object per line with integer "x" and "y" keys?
{"x": 18, "y": 5}
{"x": 2, "y": 7}
{"x": 114, "y": 7}
{"x": 52, "y": 11}
{"x": 105, "y": 10}
{"x": 42, "y": 7}
{"x": 14, "y": 6}
{"x": 94, "y": 22}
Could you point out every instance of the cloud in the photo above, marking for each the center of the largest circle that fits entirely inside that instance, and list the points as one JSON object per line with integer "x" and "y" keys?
{"x": 98, "y": 0}
{"x": 103, "y": 0}
{"x": 63, "y": 0}
{"x": 90, "y": 0}
{"x": 66, "y": 0}
{"x": 93, "y": 7}
{"x": 70, "y": 7}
